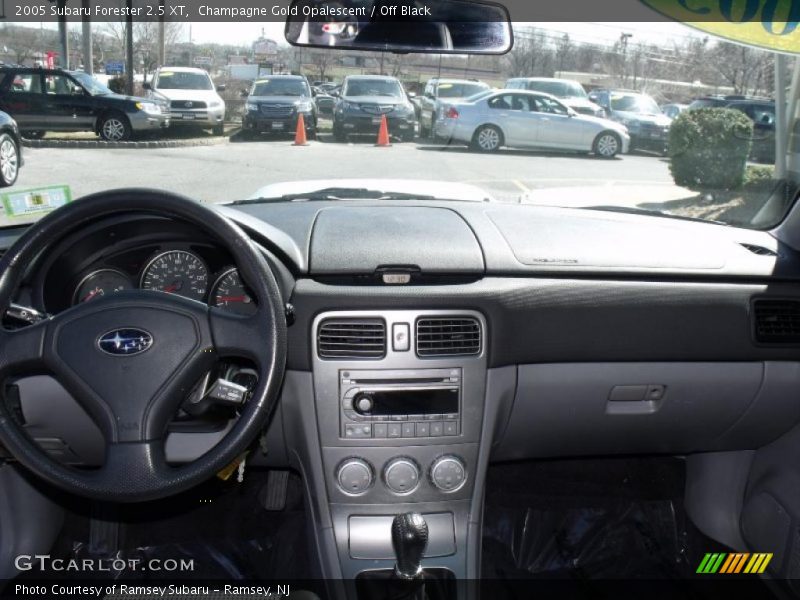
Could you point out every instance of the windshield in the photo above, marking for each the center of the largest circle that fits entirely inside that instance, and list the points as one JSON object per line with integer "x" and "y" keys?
{"x": 460, "y": 90}
{"x": 94, "y": 87}
{"x": 181, "y": 80}
{"x": 634, "y": 103}
{"x": 372, "y": 87}
{"x": 559, "y": 89}
{"x": 280, "y": 87}
{"x": 477, "y": 121}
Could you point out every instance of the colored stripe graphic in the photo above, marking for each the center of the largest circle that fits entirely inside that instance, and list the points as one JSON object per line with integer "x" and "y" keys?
{"x": 737, "y": 562}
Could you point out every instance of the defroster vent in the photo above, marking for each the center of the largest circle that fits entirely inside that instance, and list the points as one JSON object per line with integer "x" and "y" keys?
{"x": 777, "y": 321}
{"x": 448, "y": 336}
{"x": 352, "y": 338}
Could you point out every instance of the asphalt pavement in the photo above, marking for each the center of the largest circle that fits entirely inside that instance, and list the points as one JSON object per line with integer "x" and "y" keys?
{"x": 236, "y": 169}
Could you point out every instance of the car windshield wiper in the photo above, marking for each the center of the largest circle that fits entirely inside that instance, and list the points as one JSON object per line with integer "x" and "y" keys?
{"x": 338, "y": 194}
{"x": 630, "y": 210}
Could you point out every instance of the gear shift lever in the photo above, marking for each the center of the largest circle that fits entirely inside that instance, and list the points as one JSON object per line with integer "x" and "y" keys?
{"x": 409, "y": 539}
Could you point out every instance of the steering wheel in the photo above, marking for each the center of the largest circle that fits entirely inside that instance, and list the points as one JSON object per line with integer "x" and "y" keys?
{"x": 132, "y": 357}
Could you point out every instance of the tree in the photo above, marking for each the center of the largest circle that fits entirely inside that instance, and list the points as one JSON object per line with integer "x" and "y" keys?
{"x": 743, "y": 68}
{"x": 145, "y": 39}
{"x": 323, "y": 61}
{"x": 23, "y": 43}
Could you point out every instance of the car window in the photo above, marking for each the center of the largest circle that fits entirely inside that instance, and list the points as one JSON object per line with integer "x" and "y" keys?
{"x": 29, "y": 83}
{"x": 459, "y": 90}
{"x": 560, "y": 89}
{"x": 502, "y": 102}
{"x": 180, "y": 80}
{"x": 548, "y": 105}
{"x": 635, "y": 103}
{"x": 517, "y": 102}
{"x": 60, "y": 85}
{"x": 764, "y": 115}
{"x": 91, "y": 84}
{"x": 280, "y": 87}
{"x": 373, "y": 87}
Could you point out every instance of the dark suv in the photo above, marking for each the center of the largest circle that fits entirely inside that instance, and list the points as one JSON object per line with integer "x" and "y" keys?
{"x": 43, "y": 100}
{"x": 762, "y": 113}
{"x": 363, "y": 102}
{"x": 647, "y": 125}
{"x": 275, "y": 103}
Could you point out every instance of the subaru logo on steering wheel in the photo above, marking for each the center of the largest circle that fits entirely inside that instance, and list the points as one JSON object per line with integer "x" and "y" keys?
{"x": 125, "y": 342}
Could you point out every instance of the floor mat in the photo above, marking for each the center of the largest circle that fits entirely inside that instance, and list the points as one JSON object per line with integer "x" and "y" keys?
{"x": 593, "y": 519}
{"x": 220, "y": 526}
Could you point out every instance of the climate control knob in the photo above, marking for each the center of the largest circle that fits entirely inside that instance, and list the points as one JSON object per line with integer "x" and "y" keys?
{"x": 448, "y": 473}
{"x": 401, "y": 475}
{"x": 354, "y": 476}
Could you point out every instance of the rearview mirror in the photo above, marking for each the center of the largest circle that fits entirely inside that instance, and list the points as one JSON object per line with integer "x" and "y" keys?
{"x": 146, "y": 85}
{"x": 441, "y": 27}
{"x": 221, "y": 88}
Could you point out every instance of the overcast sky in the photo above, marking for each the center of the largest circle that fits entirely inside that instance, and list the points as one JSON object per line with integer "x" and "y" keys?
{"x": 245, "y": 33}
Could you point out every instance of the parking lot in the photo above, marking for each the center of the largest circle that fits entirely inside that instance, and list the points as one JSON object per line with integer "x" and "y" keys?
{"x": 234, "y": 169}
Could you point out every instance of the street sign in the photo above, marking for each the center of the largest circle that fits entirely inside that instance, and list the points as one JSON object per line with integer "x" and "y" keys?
{"x": 115, "y": 67}
{"x": 205, "y": 61}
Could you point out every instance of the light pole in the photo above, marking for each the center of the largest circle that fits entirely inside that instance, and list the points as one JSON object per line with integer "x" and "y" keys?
{"x": 623, "y": 40}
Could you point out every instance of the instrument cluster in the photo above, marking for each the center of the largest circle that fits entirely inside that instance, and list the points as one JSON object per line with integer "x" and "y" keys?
{"x": 181, "y": 271}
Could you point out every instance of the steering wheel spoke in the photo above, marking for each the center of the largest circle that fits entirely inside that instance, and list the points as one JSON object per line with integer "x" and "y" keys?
{"x": 238, "y": 336}
{"x": 22, "y": 351}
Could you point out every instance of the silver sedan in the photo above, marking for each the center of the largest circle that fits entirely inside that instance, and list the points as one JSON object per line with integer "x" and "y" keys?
{"x": 523, "y": 119}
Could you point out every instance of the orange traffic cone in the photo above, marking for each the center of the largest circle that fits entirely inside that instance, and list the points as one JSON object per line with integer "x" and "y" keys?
{"x": 300, "y": 134}
{"x": 383, "y": 133}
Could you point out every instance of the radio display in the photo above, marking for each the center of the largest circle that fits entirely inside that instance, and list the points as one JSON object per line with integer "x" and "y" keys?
{"x": 414, "y": 402}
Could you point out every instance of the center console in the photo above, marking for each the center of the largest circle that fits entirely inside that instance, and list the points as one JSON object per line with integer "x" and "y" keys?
{"x": 399, "y": 405}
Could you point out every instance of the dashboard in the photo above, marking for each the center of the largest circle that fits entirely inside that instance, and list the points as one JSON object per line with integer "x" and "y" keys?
{"x": 578, "y": 333}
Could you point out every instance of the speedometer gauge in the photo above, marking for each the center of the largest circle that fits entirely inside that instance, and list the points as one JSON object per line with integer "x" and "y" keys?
{"x": 230, "y": 293}
{"x": 176, "y": 272}
{"x": 99, "y": 283}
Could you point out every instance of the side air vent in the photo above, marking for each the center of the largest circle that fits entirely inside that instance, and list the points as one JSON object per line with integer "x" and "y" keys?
{"x": 777, "y": 321}
{"x": 352, "y": 338}
{"x": 448, "y": 336}
{"x": 760, "y": 250}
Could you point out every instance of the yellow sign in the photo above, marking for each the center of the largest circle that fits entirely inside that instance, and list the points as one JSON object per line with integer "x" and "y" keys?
{"x": 769, "y": 24}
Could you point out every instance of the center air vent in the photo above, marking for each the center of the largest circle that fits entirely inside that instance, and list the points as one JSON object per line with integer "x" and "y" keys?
{"x": 448, "y": 336}
{"x": 352, "y": 338}
{"x": 777, "y": 321}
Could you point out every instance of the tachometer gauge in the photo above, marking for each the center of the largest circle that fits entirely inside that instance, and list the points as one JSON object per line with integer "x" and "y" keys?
{"x": 176, "y": 272}
{"x": 229, "y": 292}
{"x": 99, "y": 283}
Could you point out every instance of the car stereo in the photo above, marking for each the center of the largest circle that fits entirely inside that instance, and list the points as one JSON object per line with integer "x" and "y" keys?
{"x": 400, "y": 404}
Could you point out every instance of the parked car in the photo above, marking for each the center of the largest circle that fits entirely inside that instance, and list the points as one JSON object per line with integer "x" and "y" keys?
{"x": 762, "y": 113}
{"x": 10, "y": 150}
{"x": 673, "y": 110}
{"x": 190, "y": 95}
{"x": 647, "y": 125}
{"x": 438, "y": 91}
{"x": 522, "y": 119}
{"x": 718, "y": 100}
{"x": 324, "y": 101}
{"x": 274, "y": 105}
{"x": 570, "y": 92}
{"x": 365, "y": 99}
{"x": 43, "y": 100}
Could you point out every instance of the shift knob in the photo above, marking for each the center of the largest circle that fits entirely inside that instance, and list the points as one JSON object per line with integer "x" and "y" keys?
{"x": 409, "y": 539}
